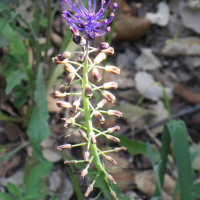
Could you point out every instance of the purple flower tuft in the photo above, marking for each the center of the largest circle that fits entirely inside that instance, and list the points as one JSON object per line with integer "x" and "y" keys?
{"x": 85, "y": 20}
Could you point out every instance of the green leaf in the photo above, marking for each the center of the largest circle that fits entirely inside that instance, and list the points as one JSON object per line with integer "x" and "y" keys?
{"x": 54, "y": 197}
{"x": 41, "y": 171}
{"x": 135, "y": 147}
{"x": 176, "y": 132}
{"x": 19, "y": 96}
{"x": 195, "y": 190}
{"x": 3, "y": 41}
{"x": 36, "y": 194}
{"x": 38, "y": 128}
{"x": 15, "y": 191}
{"x": 14, "y": 79}
{"x": 5, "y": 196}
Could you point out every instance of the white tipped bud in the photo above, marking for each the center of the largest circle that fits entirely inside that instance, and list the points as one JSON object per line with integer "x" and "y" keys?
{"x": 99, "y": 58}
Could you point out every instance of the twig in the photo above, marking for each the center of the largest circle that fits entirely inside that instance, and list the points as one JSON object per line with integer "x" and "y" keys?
{"x": 174, "y": 116}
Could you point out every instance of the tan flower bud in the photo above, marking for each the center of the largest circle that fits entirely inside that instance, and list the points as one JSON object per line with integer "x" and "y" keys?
{"x": 120, "y": 149}
{"x": 103, "y": 45}
{"x": 93, "y": 138}
{"x": 84, "y": 173}
{"x": 88, "y": 91}
{"x": 101, "y": 103}
{"x": 109, "y": 158}
{"x": 69, "y": 162}
{"x": 81, "y": 58}
{"x": 113, "y": 129}
{"x": 57, "y": 94}
{"x": 63, "y": 104}
{"x": 111, "y": 179}
{"x": 87, "y": 156}
{"x": 82, "y": 133}
{"x": 109, "y": 51}
{"x": 112, "y": 69}
{"x": 99, "y": 117}
{"x": 64, "y": 146}
{"x": 96, "y": 75}
{"x": 69, "y": 68}
{"x": 89, "y": 189}
{"x": 110, "y": 85}
{"x": 56, "y": 61}
{"x": 68, "y": 122}
{"x": 64, "y": 55}
{"x": 114, "y": 195}
{"x": 110, "y": 137}
{"x": 99, "y": 58}
{"x": 75, "y": 107}
{"x": 124, "y": 167}
{"x": 63, "y": 88}
{"x": 109, "y": 96}
{"x": 115, "y": 113}
{"x": 68, "y": 79}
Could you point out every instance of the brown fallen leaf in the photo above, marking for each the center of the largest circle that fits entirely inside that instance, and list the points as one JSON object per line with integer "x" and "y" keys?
{"x": 146, "y": 182}
{"x": 187, "y": 93}
{"x": 8, "y": 165}
{"x": 135, "y": 29}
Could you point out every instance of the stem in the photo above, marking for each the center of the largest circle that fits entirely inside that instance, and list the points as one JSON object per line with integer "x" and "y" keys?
{"x": 48, "y": 28}
{"x": 89, "y": 125}
{"x": 37, "y": 49}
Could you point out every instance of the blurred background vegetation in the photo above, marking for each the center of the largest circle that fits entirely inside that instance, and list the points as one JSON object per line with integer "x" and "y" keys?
{"x": 157, "y": 47}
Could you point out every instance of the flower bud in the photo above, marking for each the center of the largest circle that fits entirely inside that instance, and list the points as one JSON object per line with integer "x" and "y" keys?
{"x": 113, "y": 129}
{"x": 100, "y": 57}
{"x": 64, "y": 146}
{"x": 124, "y": 167}
{"x": 99, "y": 117}
{"x": 112, "y": 69}
{"x": 68, "y": 79}
{"x": 57, "y": 61}
{"x": 115, "y": 5}
{"x": 75, "y": 107}
{"x": 87, "y": 156}
{"x": 69, "y": 162}
{"x": 110, "y": 137}
{"x": 109, "y": 158}
{"x": 81, "y": 58}
{"x": 63, "y": 104}
{"x": 89, "y": 189}
{"x": 96, "y": 75}
{"x": 120, "y": 149}
{"x": 57, "y": 94}
{"x": 93, "y": 138}
{"x": 68, "y": 67}
{"x": 109, "y": 96}
{"x": 63, "y": 56}
{"x": 103, "y": 45}
{"x": 114, "y": 195}
{"x": 115, "y": 113}
{"x": 111, "y": 179}
{"x": 68, "y": 122}
{"x": 110, "y": 85}
{"x": 79, "y": 40}
{"x": 101, "y": 103}
{"x": 74, "y": 31}
{"x": 88, "y": 91}
{"x": 84, "y": 173}
{"x": 63, "y": 88}
{"x": 107, "y": 29}
{"x": 83, "y": 134}
{"x": 109, "y": 51}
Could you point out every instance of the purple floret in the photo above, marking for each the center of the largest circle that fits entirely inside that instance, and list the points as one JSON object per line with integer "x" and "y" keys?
{"x": 85, "y": 20}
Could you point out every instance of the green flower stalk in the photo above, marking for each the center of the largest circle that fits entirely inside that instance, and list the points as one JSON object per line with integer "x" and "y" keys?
{"x": 90, "y": 26}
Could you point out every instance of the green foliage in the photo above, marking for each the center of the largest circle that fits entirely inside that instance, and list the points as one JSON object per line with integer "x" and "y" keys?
{"x": 5, "y": 196}
{"x": 38, "y": 128}
{"x": 176, "y": 132}
{"x": 195, "y": 191}
{"x": 15, "y": 191}
{"x": 135, "y": 147}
